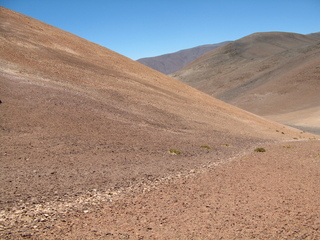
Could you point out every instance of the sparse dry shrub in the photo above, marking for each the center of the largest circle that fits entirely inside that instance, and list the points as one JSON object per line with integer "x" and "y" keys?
{"x": 286, "y": 146}
{"x": 174, "y": 152}
{"x": 205, "y": 146}
{"x": 259, "y": 150}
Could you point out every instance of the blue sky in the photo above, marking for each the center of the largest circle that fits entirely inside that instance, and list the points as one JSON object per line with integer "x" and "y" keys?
{"x": 145, "y": 28}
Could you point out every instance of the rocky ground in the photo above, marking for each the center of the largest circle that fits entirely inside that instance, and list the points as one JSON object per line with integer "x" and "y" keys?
{"x": 85, "y": 140}
{"x": 262, "y": 195}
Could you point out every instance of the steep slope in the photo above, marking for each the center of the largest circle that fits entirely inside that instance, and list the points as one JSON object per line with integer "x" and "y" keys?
{"x": 85, "y": 136}
{"x": 76, "y": 116}
{"x": 262, "y": 73}
{"x": 172, "y": 62}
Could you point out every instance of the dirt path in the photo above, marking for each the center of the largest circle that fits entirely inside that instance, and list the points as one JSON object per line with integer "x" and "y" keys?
{"x": 270, "y": 195}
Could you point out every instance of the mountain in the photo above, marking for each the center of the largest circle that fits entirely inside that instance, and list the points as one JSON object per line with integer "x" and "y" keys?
{"x": 272, "y": 74}
{"x": 73, "y": 108}
{"x": 95, "y": 146}
{"x": 317, "y": 34}
{"x": 172, "y": 62}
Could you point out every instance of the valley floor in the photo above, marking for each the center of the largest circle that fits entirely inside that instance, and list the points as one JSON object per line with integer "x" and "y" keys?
{"x": 312, "y": 130}
{"x": 263, "y": 195}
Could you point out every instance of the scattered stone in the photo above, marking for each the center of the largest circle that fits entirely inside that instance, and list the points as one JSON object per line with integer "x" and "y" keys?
{"x": 26, "y": 235}
{"x": 124, "y": 236}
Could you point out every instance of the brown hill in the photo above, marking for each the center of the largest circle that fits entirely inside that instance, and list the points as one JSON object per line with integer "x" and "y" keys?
{"x": 81, "y": 125}
{"x": 71, "y": 104}
{"x": 172, "y": 62}
{"x": 316, "y": 34}
{"x": 263, "y": 73}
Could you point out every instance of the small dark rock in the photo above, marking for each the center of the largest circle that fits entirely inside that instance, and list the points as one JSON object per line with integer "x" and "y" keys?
{"x": 123, "y": 236}
{"x": 26, "y": 235}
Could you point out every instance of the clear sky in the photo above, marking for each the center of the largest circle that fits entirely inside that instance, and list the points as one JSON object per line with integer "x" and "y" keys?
{"x": 146, "y": 28}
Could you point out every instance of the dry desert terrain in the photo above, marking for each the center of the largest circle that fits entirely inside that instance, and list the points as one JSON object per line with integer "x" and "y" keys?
{"x": 97, "y": 146}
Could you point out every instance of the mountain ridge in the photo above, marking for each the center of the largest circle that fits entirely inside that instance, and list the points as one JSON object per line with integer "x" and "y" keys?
{"x": 172, "y": 62}
{"x": 316, "y": 34}
{"x": 254, "y": 73}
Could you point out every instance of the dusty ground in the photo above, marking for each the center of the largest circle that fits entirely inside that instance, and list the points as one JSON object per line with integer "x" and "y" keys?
{"x": 85, "y": 137}
{"x": 309, "y": 119}
{"x": 262, "y": 195}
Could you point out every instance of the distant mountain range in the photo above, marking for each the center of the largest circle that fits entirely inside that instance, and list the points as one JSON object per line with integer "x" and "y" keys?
{"x": 272, "y": 74}
{"x": 172, "y": 62}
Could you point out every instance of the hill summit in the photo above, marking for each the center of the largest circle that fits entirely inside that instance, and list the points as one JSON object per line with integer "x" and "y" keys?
{"x": 272, "y": 74}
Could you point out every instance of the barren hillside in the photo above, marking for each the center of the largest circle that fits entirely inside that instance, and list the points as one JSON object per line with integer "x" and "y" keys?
{"x": 71, "y": 104}
{"x": 83, "y": 128}
{"x": 269, "y": 74}
{"x": 172, "y": 62}
{"x": 316, "y": 34}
